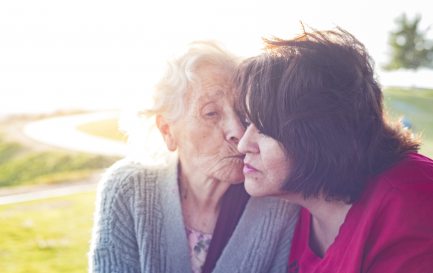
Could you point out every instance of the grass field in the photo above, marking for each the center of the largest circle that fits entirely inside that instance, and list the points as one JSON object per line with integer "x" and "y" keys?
{"x": 21, "y": 166}
{"x": 417, "y": 106}
{"x": 46, "y": 236}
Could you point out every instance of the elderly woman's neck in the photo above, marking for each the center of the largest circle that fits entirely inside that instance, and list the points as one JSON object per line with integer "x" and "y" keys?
{"x": 200, "y": 201}
{"x": 205, "y": 193}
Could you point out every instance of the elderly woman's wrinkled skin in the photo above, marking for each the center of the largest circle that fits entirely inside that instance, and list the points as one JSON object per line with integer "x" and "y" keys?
{"x": 206, "y": 139}
{"x": 209, "y": 132}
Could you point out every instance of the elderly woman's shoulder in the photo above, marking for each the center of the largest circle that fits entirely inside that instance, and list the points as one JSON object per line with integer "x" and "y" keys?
{"x": 127, "y": 174}
{"x": 274, "y": 206}
{"x": 126, "y": 168}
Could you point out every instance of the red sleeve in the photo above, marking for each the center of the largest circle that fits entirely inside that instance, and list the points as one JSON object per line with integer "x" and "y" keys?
{"x": 402, "y": 237}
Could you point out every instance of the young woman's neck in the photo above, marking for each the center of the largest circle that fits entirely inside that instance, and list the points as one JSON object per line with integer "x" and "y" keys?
{"x": 327, "y": 218}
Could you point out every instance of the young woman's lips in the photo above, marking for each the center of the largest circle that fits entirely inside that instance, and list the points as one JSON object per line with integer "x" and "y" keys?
{"x": 248, "y": 169}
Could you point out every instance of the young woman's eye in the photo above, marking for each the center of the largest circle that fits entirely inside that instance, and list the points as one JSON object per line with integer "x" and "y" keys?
{"x": 258, "y": 131}
{"x": 245, "y": 122}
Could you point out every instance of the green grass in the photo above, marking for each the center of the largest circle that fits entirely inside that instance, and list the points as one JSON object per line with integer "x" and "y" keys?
{"x": 8, "y": 150}
{"x": 46, "y": 236}
{"x": 107, "y": 128}
{"x": 417, "y": 106}
{"x": 20, "y": 166}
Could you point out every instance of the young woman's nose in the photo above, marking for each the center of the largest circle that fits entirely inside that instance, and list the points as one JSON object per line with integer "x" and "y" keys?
{"x": 245, "y": 144}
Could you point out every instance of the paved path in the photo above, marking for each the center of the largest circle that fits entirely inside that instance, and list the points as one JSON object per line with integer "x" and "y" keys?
{"x": 61, "y": 132}
{"x": 18, "y": 195}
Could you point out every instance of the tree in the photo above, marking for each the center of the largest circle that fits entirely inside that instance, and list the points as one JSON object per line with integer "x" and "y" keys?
{"x": 410, "y": 49}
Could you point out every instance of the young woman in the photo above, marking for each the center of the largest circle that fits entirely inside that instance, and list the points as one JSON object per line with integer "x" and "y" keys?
{"x": 319, "y": 138}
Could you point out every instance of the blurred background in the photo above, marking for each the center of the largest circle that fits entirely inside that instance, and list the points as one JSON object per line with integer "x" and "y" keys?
{"x": 68, "y": 69}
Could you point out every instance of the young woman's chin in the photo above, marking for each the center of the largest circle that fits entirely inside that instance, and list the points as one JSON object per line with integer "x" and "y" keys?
{"x": 258, "y": 188}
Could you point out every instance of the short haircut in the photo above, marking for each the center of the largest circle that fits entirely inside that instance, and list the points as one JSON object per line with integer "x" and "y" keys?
{"x": 181, "y": 76}
{"x": 317, "y": 95}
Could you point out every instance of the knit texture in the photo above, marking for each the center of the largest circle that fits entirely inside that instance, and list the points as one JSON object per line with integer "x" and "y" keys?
{"x": 139, "y": 227}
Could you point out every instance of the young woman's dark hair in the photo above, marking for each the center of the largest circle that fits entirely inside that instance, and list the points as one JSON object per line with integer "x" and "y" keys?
{"x": 317, "y": 95}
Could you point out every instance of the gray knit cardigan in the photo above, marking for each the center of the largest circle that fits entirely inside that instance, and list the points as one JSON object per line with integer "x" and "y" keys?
{"x": 139, "y": 227}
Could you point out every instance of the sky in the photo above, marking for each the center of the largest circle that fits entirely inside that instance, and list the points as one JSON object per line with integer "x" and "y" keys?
{"x": 95, "y": 54}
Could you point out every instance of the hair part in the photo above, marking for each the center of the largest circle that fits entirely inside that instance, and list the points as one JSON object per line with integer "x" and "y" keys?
{"x": 317, "y": 95}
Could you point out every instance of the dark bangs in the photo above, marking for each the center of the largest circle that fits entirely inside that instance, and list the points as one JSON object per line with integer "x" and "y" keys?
{"x": 258, "y": 79}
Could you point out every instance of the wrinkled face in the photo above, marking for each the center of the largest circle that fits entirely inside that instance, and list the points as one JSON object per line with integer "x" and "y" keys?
{"x": 207, "y": 134}
{"x": 266, "y": 164}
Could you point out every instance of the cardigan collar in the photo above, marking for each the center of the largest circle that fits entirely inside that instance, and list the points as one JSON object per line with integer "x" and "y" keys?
{"x": 177, "y": 258}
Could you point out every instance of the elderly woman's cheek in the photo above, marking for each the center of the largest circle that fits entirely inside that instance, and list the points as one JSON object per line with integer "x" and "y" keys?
{"x": 229, "y": 169}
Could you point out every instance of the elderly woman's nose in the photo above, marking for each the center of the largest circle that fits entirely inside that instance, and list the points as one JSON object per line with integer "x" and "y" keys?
{"x": 235, "y": 130}
{"x": 243, "y": 143}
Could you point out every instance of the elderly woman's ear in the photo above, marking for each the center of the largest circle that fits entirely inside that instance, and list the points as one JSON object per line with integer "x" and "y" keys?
{"x": 166, "y": 132}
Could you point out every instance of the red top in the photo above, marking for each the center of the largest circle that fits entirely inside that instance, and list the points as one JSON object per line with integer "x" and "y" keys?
{"x": 388, "y": 230}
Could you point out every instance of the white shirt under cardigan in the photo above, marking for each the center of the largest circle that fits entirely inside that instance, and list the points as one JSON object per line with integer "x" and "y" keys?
{"x": 139, "y": 227}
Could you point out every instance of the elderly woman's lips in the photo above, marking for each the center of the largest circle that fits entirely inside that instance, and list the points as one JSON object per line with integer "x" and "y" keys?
{"x": 239, "y": 156}
{"x": 248, "y": 169}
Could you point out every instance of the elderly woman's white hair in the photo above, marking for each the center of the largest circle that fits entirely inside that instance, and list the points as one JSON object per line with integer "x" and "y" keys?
{"x": 179, "y": 78}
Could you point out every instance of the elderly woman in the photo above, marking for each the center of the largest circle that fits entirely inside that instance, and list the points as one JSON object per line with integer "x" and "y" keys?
{"x": 319, "y": 138}
{"x": 191, "y": 215}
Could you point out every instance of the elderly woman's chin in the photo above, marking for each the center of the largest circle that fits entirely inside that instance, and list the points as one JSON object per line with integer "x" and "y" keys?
{"x": 235, "y": 177}
{"x": 231, "y": 173}
{"x": 228, "y": 170}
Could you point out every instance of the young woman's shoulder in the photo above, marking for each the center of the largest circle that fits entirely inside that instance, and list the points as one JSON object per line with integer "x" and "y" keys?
{"x": 413, "y": 173}
{"x": 402, "y": 224}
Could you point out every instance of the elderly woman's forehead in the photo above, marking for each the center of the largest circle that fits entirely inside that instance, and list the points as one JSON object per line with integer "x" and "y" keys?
{"x": 215, "y": 93}
{"x": 213, "y": 83}
{"x": 210, "y": 93}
